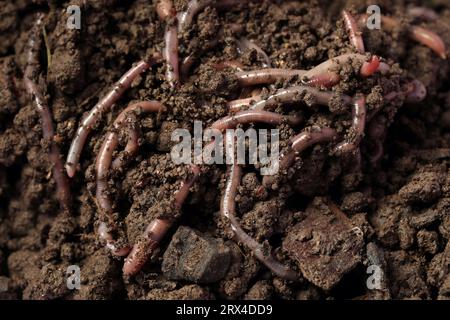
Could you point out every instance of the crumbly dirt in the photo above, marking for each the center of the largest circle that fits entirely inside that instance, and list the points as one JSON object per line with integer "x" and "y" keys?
{"x": 393, "y": 213}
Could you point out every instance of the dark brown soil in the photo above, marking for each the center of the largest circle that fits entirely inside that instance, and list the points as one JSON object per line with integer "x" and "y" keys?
{"x": 395, "y": 213}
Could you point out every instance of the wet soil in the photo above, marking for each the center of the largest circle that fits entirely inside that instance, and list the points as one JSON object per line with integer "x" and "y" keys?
{"x": 393, "y": 213}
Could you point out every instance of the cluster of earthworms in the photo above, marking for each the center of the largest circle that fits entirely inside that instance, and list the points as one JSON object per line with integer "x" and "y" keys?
{"x": 258, "y": 108}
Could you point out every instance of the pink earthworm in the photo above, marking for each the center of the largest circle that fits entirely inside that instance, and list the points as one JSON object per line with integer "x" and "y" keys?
{"x": 326, "y": 80}
{"x": 241, "y": 104}
{"x": 383, "y": 67}
{"x": 423, "y": 13}
{"x": 143, "y": 249}
{"x": 40, "y": 102}
{"x": 369, "y": 68}
{"x": 415, "y": 91}
{"x": 251, "y": 116}
{"x": 103, "y": 165}
{"x": 246, "y": 117}
{"x": 105, "y": 235}
{"x": 307, "y": 138}
{"x": 131, "y": 148}
{"x": 156, "y": 230}
{"x": 171, "y": 55}
{"x": 228, "y": 209}
{"x": 266, "y": 76}
{"x": 419, "y": 34}
{"x": 326, "y": 70}
{"x": 354, "y": 33}
{"x": 186, "y": 17}
{"x": 193, "y": 8}
{"x": 165, "y": 11}
{"x": 102, "y": 106}
{"x": 234, "y": 64}
{"x": 244, "y": 103}
{"x": 358, "y": 126}
{"x": 245, "y": 44}
{"x": 249, "y": 92}
{"x": 295, "y": 93}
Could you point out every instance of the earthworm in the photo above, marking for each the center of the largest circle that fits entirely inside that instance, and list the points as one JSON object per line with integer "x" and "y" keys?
{"x": 156, "y": 230}
{"x": 245, "y": 44}
{"x": 355, "y": 34}
{"x": 357, "y": 128}
{"x": 250, "y": 116}
{"x": 234, "y": 64}
{"x": 308, "y": 137}
{"x": 244, "y": 117}
{"x": 415, "y": 91}
{"x": 195, "y": 6}
{"x": 165, "y": 11}
{"x": 183, "y": 192}
{"x": 228, "y": 209}
{"x": 102, "y": 106}
{"x": 131, "y": 148}
{"x": 241, "y": 104}
{"x": 419, "y": 34}
{"x": 143, "y": 249}
{"x": 383, "y": 68}
{"x": 103, "y": 165}
{"x": 295, "y": 93}
{"x": 111, "y": 244}
{"x": 171, "y": 55}
{"x": 326, "y": 80}
{"x": 423, "y": 13}
{"x": 266, "y": 76}
{"x": 367, "y": 67}
{"x": 311, "y": 136}
{"x": 48, "y": 131}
